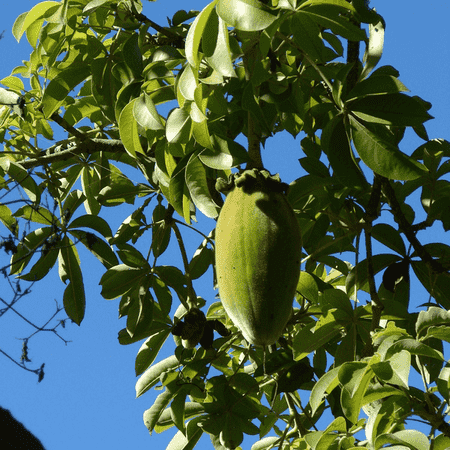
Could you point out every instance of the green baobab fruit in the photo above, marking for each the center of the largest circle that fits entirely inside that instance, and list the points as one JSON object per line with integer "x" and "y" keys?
{"x": 258, "y": 252}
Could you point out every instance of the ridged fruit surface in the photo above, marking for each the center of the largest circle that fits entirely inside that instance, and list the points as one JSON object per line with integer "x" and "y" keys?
{"x": 258, "y": 251}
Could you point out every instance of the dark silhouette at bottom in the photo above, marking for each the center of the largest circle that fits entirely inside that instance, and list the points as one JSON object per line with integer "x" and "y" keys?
{"x": 14, "y": 436}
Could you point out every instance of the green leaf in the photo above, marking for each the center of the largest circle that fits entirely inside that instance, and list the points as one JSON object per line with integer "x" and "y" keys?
{"x": 443, "y": 382}
{"x": 383, "y": 157}
{"x": 377, "y": 391}
{"x": 390, "y": 109}
{"x": 355, "y": 379}
{"x": 151, "y": 376}
{"x": 130, "y": 227}
{"x": 188, "y": 440}
{"x": 374, "y": 48}
{"x": 331, "y": 16}
{"x": 438, "y": 285}
{"x": 95, "y": 223}
{"x": 25, "y": 20}
{"x": 146, "y": 114}
{"x": 178, "y": 127}
{"x": 396, "y": 370}
{"x": 131, "y": 256}
{"x": 200, "y": 262}
{"x": 72, "y": 202}
{"x": 389, "y": 236}
{"x": 336, "y": 144}
{"x": 149, "y": 350}
{"x": 225, "y": 154}
{"x": 94, "y": 4}
{"x": 58, "y": 89}
{"x": 128, "y": 130}
{"x": 98, "y": 247}
{"x": 306, "y": 340}
{"x": 377, "y": 85}
{"x": 177, "y": 410}
{"x": 198, "y": 187}
{"x": 43, "y": 266}
{"x": 306, "y": 35}
{"x": 120, "y": 191}
{"x": 195, "y": 34}
{"x": 121, "y": 279}
{"x": 412, "y": 439}
{"x": 37, "y": 214}
{"x": 140, "y": 312}
{"x": 326, "y": 384}
{"x": 90, "y": 181}
{"x": 191, "y": 409}
{"x": 27, "y": 248}
{"x": 433, "y": 317}
{"x": 132, "y": 55}
{"x": 152, "y": 415}
{"x": 441, "y": 442}
{"x": 216, "y": 46}
{"x": 245, "y": 15}
{"x": 187, "y": 83}
{"x": 7, "y": 218}
{"x": 23, "y": 178}
{"x": 161, "y": 231}
{"x": 415, "y": 348}
{"x": 69, "y": 269}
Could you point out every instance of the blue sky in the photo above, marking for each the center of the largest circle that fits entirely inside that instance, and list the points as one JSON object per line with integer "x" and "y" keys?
{"x": 87, "y": 398}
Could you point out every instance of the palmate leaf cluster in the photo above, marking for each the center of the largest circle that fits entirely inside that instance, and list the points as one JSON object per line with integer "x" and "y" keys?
{"x": 167, "y": 103}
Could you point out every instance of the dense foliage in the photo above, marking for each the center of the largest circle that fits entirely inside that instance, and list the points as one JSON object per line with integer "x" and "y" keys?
{"x": 103, "y": 71}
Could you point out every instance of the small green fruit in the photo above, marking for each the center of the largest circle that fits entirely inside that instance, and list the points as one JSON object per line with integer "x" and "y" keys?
{"x": 258, "y": 252}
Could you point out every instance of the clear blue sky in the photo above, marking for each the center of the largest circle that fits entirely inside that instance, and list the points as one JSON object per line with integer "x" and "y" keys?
{"x": 87, "y": 398}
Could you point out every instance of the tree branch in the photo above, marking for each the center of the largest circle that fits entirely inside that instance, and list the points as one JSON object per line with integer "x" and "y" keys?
{"x": 89, "y": 146}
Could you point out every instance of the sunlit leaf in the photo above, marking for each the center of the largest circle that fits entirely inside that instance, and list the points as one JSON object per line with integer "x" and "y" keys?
{"x": 383, "y": 157}
{"x": 245, "y": 15}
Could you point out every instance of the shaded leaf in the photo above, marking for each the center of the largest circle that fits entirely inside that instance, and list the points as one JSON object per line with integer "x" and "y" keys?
{"x": 69, "y": 270}
{"x": 390, "y": 109}
{"x": 149, "y": 350}
{"x": 120, "y": 279}
{"x": 58, "y": 89}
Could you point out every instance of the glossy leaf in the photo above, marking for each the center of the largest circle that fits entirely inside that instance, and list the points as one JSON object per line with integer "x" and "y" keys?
{"x": 195, "y": 34}
{"x": 374, "y": 48}
{"x": 198, "y": 187}
{"x": 129, "y": 131}
{"x": 325, "y": 385}
{"x": 245, "y": 15}
{"x": 178, "y": 126}
{"x": 216, "y": 47}
{"x": 146, "y": 114}
{"x": 383, "y": 157}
